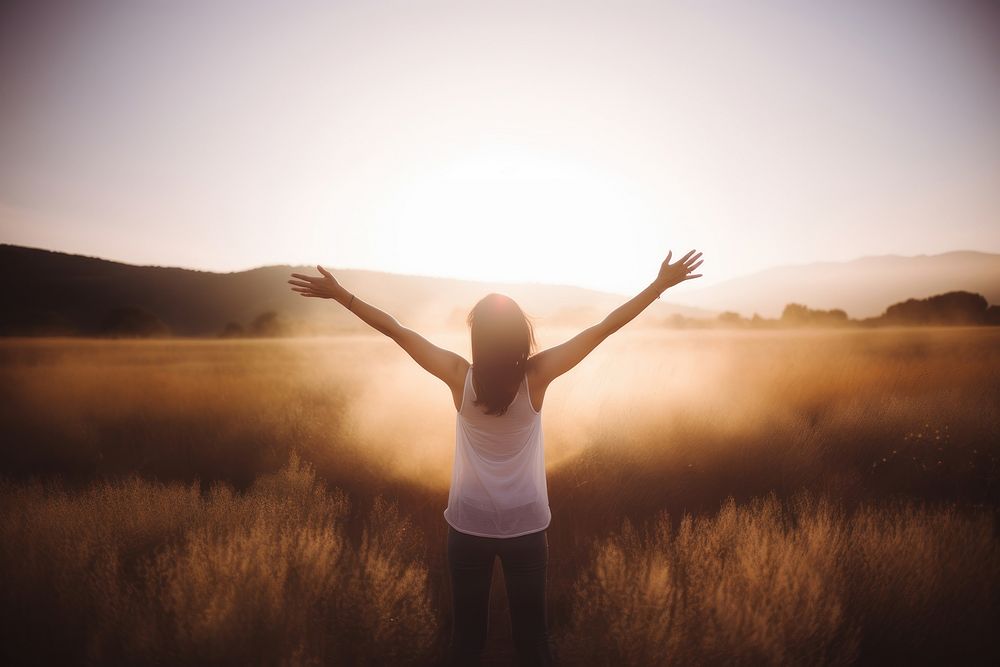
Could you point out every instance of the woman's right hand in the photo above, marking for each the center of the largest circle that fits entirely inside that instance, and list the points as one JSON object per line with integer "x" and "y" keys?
{"x": 323, "y": 287}
{"x": 679, "y": 271}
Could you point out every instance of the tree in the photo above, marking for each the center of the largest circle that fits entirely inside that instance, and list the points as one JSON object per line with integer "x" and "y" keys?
{"x": 993, "y": 315}
{"x": 731, "y": 318}
{"x": 949, "y": 308}
{"x": 132, "y": 322}
{"x": 796, "y": 314}
{"x": 232, "y": 330}
{"x": 269, "y": 325}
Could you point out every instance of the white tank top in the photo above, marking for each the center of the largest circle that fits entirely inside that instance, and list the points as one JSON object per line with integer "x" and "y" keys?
{"x": 498, "y": 479}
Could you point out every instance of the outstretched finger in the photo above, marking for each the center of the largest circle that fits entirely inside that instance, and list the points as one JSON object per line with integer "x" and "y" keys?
{"x": 300, "y": 283}
{"x": 324, "y": 271}
{"x": 305, "y": 277}
{"x": 693, "y": 258}
{"x": 696, "y": 275}
{"x": 695, "y": 265}
{"x": 684, "y": 258}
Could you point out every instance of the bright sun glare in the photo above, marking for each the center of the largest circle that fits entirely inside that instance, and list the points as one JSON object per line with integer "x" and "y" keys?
{"x": 516, "y": 214}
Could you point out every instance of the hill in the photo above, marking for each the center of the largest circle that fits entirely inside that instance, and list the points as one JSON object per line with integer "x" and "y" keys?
{"x": 863, "y": 287}
{"x": 57, "y": 293}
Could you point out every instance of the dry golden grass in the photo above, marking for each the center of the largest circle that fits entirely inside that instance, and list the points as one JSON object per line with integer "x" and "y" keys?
{"x": 788, "y": 497}
{"x": 135, "y": 571}
{"x": 763, "y": 584}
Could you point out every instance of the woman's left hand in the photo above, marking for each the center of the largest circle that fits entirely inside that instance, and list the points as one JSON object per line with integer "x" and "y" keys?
{"x": 323, "y": 287}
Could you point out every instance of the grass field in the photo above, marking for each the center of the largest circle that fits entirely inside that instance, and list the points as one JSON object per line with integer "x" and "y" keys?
{"x": 783, "y": 497}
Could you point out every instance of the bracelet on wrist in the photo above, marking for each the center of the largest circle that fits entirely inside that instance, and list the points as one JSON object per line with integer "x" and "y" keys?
{"x": 350, "y": 303}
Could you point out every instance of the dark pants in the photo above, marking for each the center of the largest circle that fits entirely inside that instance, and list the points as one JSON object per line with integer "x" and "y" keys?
{"x": 470, "y": 563}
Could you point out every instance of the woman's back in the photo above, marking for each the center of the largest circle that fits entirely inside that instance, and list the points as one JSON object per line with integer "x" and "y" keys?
{"x": 498, "y": 481}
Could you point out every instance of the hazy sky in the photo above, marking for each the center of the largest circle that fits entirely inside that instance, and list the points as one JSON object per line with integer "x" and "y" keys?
{"x": 569, "y": 142}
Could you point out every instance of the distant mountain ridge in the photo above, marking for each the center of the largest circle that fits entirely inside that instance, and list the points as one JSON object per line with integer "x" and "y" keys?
{"x": 863, "y": 287}
{"x": 49, "y": 292}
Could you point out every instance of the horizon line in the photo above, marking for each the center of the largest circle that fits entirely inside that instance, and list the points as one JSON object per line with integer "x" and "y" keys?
{"x": 477, "y": 280}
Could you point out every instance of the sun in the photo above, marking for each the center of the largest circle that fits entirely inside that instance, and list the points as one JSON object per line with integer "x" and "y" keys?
{"x": 516, "y": 214}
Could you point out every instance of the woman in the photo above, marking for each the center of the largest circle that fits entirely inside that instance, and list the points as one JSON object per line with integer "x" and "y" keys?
{"x": 498, "y": 501}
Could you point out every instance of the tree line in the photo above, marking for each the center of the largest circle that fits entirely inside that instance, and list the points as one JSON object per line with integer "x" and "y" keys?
{"x": 949, "y": 309}
{"x": 137, "y": 322}
{"x": 957, "y": 308}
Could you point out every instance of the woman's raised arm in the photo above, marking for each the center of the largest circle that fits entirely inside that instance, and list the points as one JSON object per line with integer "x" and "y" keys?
{"x": 444, "y": 364}
{"x": 553, "y": 362}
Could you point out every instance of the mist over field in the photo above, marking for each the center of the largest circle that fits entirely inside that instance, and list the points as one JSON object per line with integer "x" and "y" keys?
{"x": 789, "y": 497}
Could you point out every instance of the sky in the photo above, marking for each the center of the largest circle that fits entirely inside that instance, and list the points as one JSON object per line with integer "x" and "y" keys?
{"x": 561, "y": 142}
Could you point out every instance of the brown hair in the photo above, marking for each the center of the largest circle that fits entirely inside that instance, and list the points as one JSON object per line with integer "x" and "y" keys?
{"x": 502, "y": 340}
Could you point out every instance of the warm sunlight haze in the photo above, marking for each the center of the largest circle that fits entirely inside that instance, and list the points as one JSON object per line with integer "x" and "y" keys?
{"x": 647, "y": 333}
{"x": 396, "y": 137}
